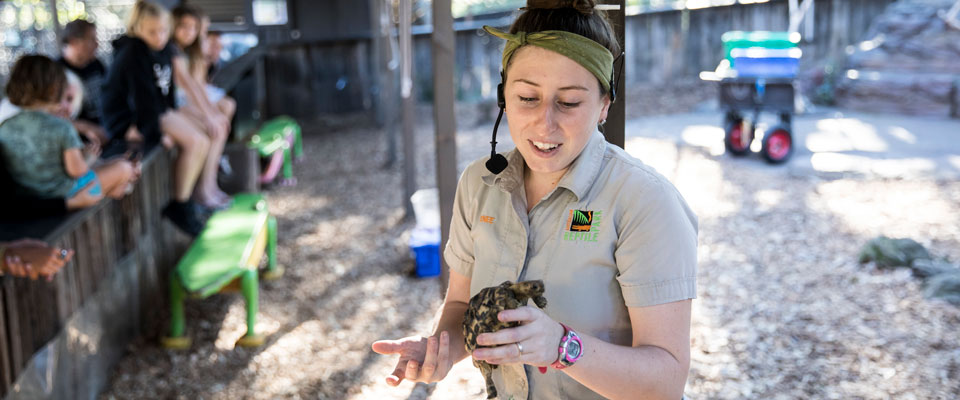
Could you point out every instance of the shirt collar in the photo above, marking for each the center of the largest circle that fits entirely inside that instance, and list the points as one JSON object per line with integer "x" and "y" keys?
{"x": 511, "y": 177}
{"x": 584, "y": 170}
{"x": 578, "y": 179}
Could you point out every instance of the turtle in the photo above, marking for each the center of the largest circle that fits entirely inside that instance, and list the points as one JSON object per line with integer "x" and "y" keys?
{"x": 481, "y": 317}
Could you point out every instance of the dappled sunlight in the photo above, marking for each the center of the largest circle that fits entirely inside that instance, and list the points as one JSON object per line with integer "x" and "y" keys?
{"x": 711, "y": 358}
{"x": 698, "y": 178}
{"x": 954, "y": 161}
{"x": 294, "y": 203}
{"x": 903, "y": 134}
{"x": 709, "y": 137}
{"x": 845, "y": 134}
{"x": 234, "y": 325}
{"x": 767, "y": 199}
{"x": 856, "y": 206}
{"x": 701, "y": 182}
{"x": 838, "y": 162}
{"x": 82, "y": 341}
{"x": 286, "y": 353}
{"x": 327, "y": 232}
{"x": 657, "y": 153}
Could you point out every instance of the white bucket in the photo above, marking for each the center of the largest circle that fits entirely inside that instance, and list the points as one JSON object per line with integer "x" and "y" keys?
{"x": 426, "y": 208}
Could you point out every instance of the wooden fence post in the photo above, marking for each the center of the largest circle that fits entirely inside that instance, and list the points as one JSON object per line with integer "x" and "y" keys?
{"x": 445, "y": 124}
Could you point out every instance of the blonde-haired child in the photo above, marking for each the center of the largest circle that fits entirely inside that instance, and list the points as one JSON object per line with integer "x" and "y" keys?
{"x": 43, "y": 152}
{"x": 195, "y": 100}
{"x": 139, "y": 107}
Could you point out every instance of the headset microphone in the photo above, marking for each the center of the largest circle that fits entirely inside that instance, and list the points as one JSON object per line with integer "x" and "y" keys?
{"x": 497, "y": 162}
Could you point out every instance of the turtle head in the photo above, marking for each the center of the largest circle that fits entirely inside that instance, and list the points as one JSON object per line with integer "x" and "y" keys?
{"x": 529, "y": 288}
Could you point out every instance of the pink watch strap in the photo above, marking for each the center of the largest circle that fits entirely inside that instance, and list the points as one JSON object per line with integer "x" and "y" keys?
{"x": 560, "y": 349}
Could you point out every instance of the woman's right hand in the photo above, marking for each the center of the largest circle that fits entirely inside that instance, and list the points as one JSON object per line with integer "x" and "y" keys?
{"x": 421, "y": 359}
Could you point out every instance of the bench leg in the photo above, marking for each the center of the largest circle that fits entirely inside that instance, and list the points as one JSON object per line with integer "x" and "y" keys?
{"x": 274, "y": 271}
{"x": 297, "y": 144}
{"x": 177, "y": 339}
{"x": 250, "y": 293}
{"x": 288, "y": 179}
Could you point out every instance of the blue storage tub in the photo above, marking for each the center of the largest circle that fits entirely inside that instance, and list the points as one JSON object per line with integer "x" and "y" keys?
{"x": 428, "y": 260}
{"x": 425, "y": 249}
{"x": 766, "y": 63}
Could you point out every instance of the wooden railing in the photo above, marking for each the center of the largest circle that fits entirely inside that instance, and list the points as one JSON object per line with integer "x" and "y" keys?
{"x": 115, "y": 282}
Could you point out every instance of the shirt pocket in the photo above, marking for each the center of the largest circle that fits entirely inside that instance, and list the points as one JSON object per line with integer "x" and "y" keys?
{"x": 492, "y": 247}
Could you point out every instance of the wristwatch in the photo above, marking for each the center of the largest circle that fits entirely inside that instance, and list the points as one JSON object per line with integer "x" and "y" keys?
{"x": 571, "y": 349}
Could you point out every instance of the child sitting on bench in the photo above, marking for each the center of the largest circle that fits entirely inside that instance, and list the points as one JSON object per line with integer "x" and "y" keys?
{"x": 43, "y": 152}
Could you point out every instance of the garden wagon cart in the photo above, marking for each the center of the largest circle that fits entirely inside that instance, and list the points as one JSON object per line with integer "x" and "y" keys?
{"x": 757, "y": 75}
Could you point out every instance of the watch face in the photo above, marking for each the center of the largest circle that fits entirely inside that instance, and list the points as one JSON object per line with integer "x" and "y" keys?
{"x": 573, "y": 349}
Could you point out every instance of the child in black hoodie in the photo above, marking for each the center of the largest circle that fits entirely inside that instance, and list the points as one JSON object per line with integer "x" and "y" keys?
{"x": 138, "y": 108}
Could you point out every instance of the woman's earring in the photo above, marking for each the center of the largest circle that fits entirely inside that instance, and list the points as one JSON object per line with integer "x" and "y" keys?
{"x": 603, "y": 122}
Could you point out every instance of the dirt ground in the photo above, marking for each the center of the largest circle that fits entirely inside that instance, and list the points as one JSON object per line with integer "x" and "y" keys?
{"x": 783, "y": 308}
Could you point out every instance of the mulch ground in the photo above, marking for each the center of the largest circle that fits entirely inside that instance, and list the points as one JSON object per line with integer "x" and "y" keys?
{"x": 783, "y": 310}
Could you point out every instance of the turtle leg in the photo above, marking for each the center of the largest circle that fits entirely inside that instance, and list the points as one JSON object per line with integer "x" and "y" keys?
{"x": 540, "y": 301}
{"x": 511, "y": 303}
{"x": 487, "y": 371}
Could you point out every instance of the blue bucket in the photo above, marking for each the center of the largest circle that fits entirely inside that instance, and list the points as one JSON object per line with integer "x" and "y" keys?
{"x": 425, "y": 249}
{"x": 428, "y": 260}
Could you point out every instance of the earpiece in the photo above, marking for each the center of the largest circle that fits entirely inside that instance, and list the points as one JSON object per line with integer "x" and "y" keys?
{"x": 501, "y": 101}
{"x": 613, "y": 79}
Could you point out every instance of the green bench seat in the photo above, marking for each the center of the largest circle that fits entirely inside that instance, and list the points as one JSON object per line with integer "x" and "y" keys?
{"x": 281, "y": 134}
{"x": 229, "y": 249}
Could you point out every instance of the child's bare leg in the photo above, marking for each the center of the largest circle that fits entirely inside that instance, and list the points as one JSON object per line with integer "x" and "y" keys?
{"x": 114, "y": 176}
{"x": 227, "y": 106}
{"x": 207, "y": 191}
{"x": 194, "y": 146}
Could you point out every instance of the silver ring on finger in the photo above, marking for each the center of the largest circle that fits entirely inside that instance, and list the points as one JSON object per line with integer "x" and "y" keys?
{"x": 519, "y": 347}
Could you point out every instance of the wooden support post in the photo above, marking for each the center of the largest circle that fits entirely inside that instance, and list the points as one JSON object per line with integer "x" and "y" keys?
{"x": 614, "y": 129}
{"x": 407, "y": 104}
{"x": 444, "y": 99}
{"x": 386, "y": 68}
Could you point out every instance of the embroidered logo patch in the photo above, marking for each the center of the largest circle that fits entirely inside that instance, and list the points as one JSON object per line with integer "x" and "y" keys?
{"x": 582, "y": 226}
{"x": 580, "y": 220}
{"x": 486, "y": 218}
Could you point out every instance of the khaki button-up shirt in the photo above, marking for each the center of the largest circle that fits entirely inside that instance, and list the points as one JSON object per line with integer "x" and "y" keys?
{"x": 613, "y": 234}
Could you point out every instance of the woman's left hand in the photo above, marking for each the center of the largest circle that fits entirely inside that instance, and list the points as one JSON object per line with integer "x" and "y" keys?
{"x": 538, "y": 336}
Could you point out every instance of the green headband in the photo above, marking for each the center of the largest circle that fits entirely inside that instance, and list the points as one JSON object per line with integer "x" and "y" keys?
{"x": 584, "y": 51}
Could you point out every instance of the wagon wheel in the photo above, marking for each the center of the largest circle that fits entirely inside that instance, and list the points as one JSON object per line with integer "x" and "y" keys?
{"x": 738, "y": 134}
{"x": 777, "y": 144}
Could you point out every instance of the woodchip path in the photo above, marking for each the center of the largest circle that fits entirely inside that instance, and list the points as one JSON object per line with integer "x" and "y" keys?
{"x": 784, "y": 310}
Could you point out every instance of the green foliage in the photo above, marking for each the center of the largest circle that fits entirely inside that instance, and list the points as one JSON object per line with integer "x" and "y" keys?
{"x": 892, "y": 253}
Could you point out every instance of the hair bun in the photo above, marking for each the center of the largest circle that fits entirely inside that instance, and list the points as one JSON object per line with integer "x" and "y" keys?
{"x": 583, "y": 6}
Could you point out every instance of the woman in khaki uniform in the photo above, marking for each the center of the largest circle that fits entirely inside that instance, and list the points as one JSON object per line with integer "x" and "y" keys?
{"x": 613, "y": 240}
